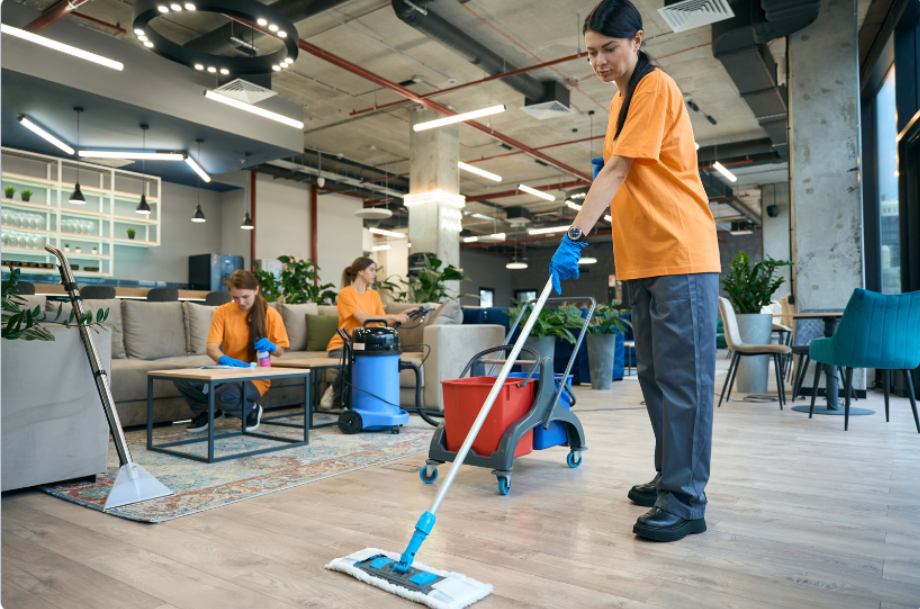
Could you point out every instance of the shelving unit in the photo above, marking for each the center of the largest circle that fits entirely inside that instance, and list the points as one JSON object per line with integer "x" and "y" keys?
{"x": 111, "y": 196}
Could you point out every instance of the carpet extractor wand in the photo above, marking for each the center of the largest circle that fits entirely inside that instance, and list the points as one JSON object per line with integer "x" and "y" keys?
{"x": 133, "y": 484}
{"x": 415, "y": 581}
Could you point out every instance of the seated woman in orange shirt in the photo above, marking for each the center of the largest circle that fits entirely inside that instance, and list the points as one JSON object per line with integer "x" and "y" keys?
{"x": 238, "y": 330}
{"x": 356, "y": 303}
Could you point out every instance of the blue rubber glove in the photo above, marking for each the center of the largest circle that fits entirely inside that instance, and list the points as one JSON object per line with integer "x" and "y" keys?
{"x": 598, "y": 165}
{"x": 226, "y": 360}
{"x": 263, "y": 344}
{"x": 564, "y": 264}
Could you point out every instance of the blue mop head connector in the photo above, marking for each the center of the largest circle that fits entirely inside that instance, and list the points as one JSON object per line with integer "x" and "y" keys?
{"x": 422, "y": 529}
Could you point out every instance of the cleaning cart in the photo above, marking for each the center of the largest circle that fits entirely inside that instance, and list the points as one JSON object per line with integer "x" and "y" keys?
{"x": 537, "y": 404}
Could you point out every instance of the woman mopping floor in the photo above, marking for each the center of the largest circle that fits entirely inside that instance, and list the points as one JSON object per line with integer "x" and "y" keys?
{"x": 665, "y": 246}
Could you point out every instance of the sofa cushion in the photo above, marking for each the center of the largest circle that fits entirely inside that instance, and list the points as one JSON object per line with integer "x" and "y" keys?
{"x": 329, "y": 310}
{"x": 114, "y": 307}
{"x": 153, "y": 330}
{"x": 32, "y": 301}
{"x": 197, "y": 325}
{"x": 295, "y": 322}
{"x": 447, "y": 313}
{"x": 407, "y": 377}
{"x": 129, "y": 376}
{"x": 320, "y": 330}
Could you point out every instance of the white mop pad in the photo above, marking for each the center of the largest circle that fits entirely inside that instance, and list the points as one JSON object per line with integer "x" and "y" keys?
{"x": 454, "y": 592}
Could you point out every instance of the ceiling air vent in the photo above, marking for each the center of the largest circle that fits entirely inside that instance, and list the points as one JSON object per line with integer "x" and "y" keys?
{"x": 554, "y": 103}
{"x": 689, "y": 14}
{"x": 245, "y": 91}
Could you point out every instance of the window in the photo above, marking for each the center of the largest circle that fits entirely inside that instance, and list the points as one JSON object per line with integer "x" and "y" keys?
{"x": 525, "y": 295}
{"x": 886, "y": 149}
{"x": 486, "y": 297}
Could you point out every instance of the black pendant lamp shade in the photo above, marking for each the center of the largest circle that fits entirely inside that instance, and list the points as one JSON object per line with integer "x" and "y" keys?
{"x": 76, "y": 197}
{"x": 199, "y": 215}
{"x": 247, "y": 223}
{"x": 142, "y": 207}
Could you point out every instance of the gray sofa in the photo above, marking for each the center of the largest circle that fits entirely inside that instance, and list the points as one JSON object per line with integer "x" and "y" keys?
{"x": 172, "y": 335}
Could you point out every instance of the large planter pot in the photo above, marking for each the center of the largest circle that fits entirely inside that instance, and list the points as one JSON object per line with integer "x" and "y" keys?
{"x": 755, "y": 329}
{"x": 546, "y": 347}
{"x": 601, "y": 351}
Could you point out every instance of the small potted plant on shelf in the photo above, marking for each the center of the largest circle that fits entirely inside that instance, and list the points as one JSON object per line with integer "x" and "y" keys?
{"x": 9, "y": 191}
{"x": 95, "y": 250}
{"x": 66, "y": 247}
{"x": 26, "y": 194}
{"x": 131, "y": 233}
{"x": 605, "y": 325}
{"x": 77, "y": 249}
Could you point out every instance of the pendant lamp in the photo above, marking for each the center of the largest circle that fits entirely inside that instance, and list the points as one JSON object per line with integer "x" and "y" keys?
{"x": 199, "y": 215}
{"x": 247, "y": 223}
{"x": 142, "y": 207}
{"x": 76, "y": 197}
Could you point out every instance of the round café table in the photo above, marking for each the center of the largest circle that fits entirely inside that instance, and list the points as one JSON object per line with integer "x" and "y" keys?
{"x": 833, "y": 407}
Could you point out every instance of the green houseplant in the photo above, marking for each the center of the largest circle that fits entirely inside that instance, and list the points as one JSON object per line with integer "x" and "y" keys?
{"x": 296, "y": 283}
{"x": 9, "y": 191}
{"x": 131, "y": 233}
{"x": 428, "y": 284}
{"x": 605, "y": 324}
{"x": 549, "y": 325}
{"x": 26, "y": 194}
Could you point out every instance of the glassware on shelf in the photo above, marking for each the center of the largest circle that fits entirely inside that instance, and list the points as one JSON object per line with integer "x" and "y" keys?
{"x": 5, "y": 239}
{"x": 35, "y": 242}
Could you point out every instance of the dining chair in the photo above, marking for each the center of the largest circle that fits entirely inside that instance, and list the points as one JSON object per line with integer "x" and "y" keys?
{"x": 97, "y": 292}
{"x": 880, "y": 331}
{"x": 162, "y": 295}
{"x": 215, "y": 299}
{"x": 741, "y": 349}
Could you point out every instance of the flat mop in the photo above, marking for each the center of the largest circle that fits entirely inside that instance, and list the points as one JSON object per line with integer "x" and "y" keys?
{"x": 133, "y": 484}
{"x": 416, "y": 582}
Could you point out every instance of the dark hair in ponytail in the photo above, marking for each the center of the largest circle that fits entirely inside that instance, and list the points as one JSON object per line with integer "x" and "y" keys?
{"x": 244, "y": 280}
{"x": 620, "y": 19}
{"x": 350, "y": 272}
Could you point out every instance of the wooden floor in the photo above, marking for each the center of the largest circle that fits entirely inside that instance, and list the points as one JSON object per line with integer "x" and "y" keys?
{"x": 801, "y": 514}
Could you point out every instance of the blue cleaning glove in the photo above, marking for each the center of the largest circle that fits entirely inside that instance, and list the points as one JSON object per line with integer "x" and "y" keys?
{"x": 226, "y": 360}
{"x": 263, "y": 344}
{"x": 598, "y": 165}
{"x": 564, "y": 264}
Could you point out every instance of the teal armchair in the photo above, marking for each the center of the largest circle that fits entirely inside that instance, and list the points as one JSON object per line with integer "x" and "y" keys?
{"x": 878, "y": 331}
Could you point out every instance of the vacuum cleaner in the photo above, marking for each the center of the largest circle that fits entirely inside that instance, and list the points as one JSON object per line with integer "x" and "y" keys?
{"x": 372, "y": 354}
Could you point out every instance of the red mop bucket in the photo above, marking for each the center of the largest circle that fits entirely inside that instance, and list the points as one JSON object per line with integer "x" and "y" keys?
{"x": 463, "y": 399}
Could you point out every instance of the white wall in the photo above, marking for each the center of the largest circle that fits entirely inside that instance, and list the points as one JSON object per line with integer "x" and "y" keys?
{"x": 234, "y": 204}
{"x": 340, "y": 235}
{"x": 486, "y": 271}
{"x": 282, "y": 218}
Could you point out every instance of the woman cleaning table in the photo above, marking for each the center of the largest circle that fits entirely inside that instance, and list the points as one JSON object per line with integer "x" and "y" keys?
{"x": 665, "y": 247}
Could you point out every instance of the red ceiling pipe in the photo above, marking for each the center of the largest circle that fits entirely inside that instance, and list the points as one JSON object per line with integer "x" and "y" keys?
{"x": 498, "y": 156}
{"x": 314, "y": 231}
{"x": 475, "y": 82}
{"x": 514, "y": 193}
{"x": 55, "y": 13}
{"x": 252, "y": 211}
{"x": 116, "y": 27}
{"x": 383, "y": 82}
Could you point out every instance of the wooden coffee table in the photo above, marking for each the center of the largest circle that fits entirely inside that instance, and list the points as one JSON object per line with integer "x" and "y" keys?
{"x": 215, "y": 377}
{"x": 307, "y": 363}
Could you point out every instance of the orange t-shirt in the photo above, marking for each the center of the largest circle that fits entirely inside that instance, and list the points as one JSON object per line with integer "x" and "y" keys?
{"x": 349, "y": 302}
{"x": 661, "y": 219}
{"x": 230, "y": 330}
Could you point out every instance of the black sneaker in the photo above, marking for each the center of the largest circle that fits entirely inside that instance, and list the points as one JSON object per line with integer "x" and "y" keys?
{"x": 200, "y": 422}
{"x": 254, "y": 418}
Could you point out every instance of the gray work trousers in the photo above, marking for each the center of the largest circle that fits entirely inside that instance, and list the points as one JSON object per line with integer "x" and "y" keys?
{"x": 226, "y": 397}
{"x": 674, "y": 326}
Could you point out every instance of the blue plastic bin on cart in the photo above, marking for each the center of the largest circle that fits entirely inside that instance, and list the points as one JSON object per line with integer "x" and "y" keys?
{"x": 555, "y": 435}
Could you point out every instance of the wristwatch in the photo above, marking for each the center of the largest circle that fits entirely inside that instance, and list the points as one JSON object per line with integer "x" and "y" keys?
{"x": 577, "y": 235}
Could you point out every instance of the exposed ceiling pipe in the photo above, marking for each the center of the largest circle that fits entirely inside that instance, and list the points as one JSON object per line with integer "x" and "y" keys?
{"x": 515, "y": 193}
{"x": 740, "y": 43}
{"x": 734, "y": 150}
{"x": 55, "y": 13}
{"x": 516, "y": 152}
{"x": 414, "y": 13}
{"x": 334, "y": 177}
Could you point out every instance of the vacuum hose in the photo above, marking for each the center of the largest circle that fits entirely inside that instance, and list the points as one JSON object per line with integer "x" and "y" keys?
{"x": 403, "y": 365}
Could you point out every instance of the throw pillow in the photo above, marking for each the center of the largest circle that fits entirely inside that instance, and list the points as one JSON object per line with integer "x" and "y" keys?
{"x": 153, "y": 330}
{"x": 94, "y": 304}
{"x": 295, "y": 322}
{"x": 320, "y": 330}
{"x": 197, "y": 326}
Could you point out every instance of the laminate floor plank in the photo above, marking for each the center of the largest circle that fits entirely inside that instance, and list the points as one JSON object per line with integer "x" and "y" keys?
{"x": 801, "y": 515}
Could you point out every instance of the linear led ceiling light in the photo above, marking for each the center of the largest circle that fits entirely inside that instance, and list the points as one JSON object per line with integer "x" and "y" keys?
{"x": 485, "y": 238}
{"x": 8, "y": 30}
{"x": 725, "y": 172}
{"x": 388, "y": 233}
{"x": 25, "y": 122}
{"x": 548, "y": 230}
{"x": 573, "y": 205}
{"x": 132, "y": 155}
{"x": 459, "y": 118}
{"x": 197, "y": 168}
{"x": 435, "y": 196}
{"x": 380, "y": 248}
{"x": 588, "y": 260}
{"x": 536, "y": 192}
{"x": 516, "y": 265}
{"x": 290, "y": 122}
{"x": 608, "y": 218}
{"x": 480, "y": 172}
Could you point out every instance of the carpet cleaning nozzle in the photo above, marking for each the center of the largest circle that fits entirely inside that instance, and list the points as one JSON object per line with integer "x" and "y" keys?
{"x": 422, "y": 529}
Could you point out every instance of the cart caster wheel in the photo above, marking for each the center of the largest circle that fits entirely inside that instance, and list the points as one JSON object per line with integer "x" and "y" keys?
{"x": 350, "y": 422}
{"x": 574, "y": 459}
{"x": 504, "y": 485}
{"x": 426, "y": 478}
{"x": 394, "y": 429}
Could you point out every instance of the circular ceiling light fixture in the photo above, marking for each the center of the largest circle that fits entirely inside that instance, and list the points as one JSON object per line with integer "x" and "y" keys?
{"x": 516, "y": 265}
{"x": 147, "y": 11}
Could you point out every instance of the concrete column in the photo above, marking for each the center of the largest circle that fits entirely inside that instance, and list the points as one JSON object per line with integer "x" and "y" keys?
{"x": 434, "y": 226}
{"x": 827, "y": 196}
{"x": 776, "y": 231}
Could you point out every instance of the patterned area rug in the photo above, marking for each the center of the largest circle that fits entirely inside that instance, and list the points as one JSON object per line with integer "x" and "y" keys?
{"x": 203, "y": 486}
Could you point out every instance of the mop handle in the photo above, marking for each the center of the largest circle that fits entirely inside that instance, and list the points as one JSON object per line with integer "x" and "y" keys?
{"x": 493, "y": 394}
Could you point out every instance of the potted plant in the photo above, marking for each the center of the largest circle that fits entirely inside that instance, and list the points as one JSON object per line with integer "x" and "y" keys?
{"x": 95, "y": 250}
{"x": 131, "y": 233}
{"x": 9, "y": 191}
{"x": 749, "y": 289}
{"x": 429, "y": 285}
{"x": 605, "y": 328}
{"x": 26, "y": 194}
{"x": 66, "y": 247}
{"x": 77, "y": 249}
{"x": 549, "y": 325}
